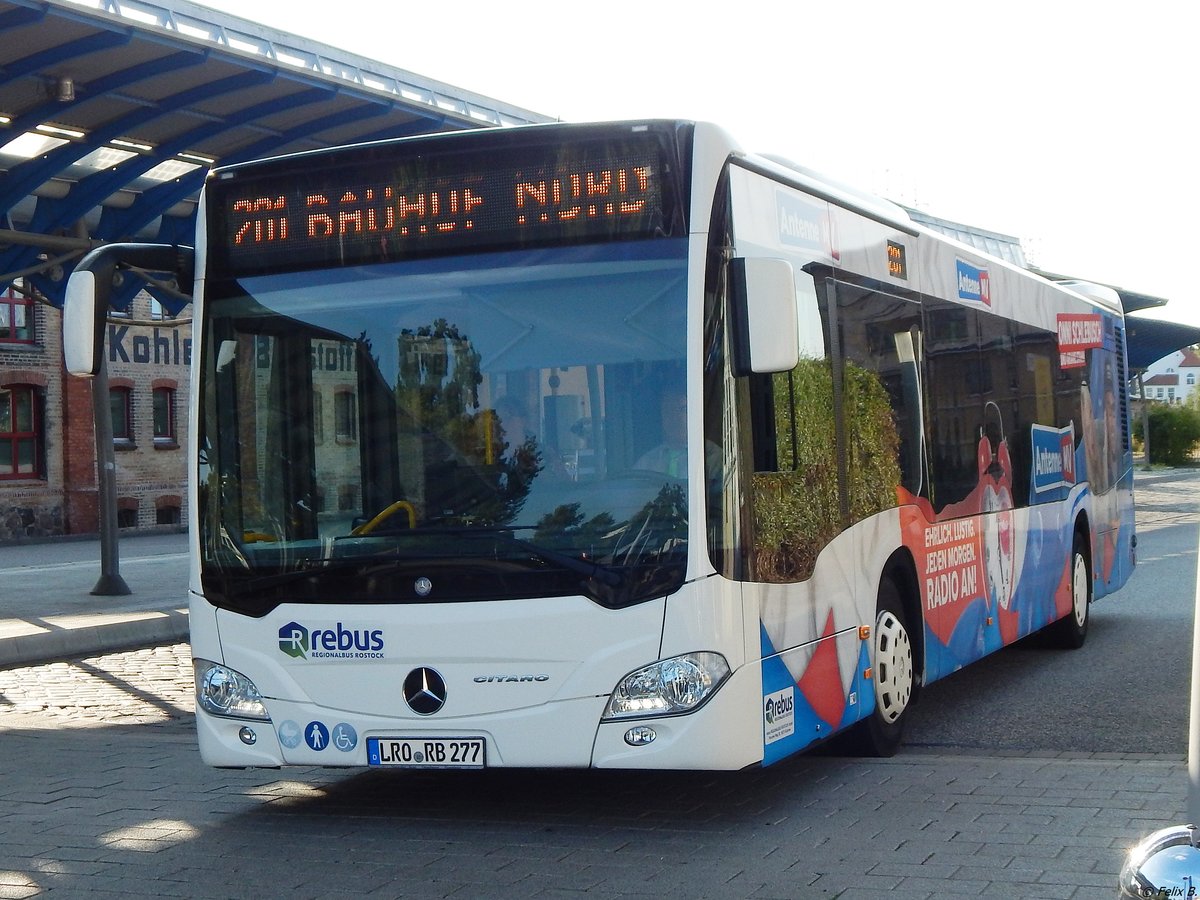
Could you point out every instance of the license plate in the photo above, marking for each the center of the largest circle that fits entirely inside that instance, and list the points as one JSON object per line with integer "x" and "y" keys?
{"x": 427, "y": 753}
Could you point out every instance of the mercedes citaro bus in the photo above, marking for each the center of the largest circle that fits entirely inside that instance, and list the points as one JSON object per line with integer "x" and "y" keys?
{"x": 616, "y": 446}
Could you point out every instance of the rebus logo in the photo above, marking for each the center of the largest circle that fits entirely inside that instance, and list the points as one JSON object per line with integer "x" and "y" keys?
{"x": 293, "y": 640}
{"x": 338, "y": 642}
{"x": 778, "y": 707}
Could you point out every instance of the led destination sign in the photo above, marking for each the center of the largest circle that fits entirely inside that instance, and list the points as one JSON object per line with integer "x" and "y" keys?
{"x": 385, "y": 209}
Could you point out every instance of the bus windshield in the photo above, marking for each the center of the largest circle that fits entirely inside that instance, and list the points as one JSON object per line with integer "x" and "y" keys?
{"x": 476, "y": 427}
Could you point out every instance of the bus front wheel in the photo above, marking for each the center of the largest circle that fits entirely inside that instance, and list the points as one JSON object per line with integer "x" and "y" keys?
{"x": 893, "y": 676}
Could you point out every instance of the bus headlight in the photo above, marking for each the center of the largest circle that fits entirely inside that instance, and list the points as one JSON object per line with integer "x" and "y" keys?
{"x": 225, "y": 692}
{"x": 668, "y": 687}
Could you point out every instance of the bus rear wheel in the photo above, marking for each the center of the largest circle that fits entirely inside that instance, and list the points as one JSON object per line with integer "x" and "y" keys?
{"x": 1070, "y": 632}
{"x": 893, "y": 676}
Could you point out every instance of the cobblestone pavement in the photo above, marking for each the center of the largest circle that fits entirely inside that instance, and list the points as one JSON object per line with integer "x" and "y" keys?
{"x": 152, "y": 686}
{"x": 1167, "y": 498}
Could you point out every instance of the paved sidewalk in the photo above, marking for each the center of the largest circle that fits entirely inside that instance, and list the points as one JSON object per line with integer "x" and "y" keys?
{"x": 47, "y": 610}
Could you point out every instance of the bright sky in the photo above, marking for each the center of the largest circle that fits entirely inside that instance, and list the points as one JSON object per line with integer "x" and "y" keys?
{"x": 1069, "y": 123}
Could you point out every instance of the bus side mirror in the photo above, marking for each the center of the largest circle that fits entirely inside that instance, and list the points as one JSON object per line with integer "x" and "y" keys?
{"x": 85, "y": 305}
{"x": 763, "y": 313}
{"x": 82, "y": 325}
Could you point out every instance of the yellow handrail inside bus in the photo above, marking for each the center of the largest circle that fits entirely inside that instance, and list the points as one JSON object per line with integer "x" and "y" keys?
{"x": 368, "y": 527}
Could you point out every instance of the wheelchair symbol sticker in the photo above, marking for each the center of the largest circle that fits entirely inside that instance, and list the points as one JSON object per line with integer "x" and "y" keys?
{"x": 345, "y": 738}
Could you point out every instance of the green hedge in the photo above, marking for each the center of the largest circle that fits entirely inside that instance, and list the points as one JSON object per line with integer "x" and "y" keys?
{"x": 1174, "y": 433}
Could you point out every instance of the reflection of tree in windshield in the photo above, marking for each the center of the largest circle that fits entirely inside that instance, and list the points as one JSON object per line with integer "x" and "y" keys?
{"x": 657, "y": 527}
{"x": 439, "y": 375}
{"x": 511, "y": 477}
{"x": 566, "y": 526}
{"x": 473, "y": 469}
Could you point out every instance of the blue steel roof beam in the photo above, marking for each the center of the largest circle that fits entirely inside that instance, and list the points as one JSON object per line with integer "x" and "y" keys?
{"x": 177, "y": 230}
{"x": 120, "y": 224}
{"x": 54, "y": 291}
{"x": 51, "y": 214}
{"x": 116, "y": 224}
{"x": 52, "y": 56}
{"x": 20, "y": 18}
{"x": 91, "y": 191}
{"x": 306, "y": 129}
{"x": 107, "y": 85}
{"x": 414, "y": 129}
{"x": 255, "y": 44}
{"x": 23, "y": 179}
{"x": 123, "y": 294}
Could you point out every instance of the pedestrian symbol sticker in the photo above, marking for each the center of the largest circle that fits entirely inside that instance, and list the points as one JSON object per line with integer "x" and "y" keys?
{"x": 316, "y": 736}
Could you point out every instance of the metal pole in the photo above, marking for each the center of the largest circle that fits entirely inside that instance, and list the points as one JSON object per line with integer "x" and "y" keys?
{"x": 1145, "y": 417}
{"x": 110, "y": 583}
{"x": 1193, "y": 807}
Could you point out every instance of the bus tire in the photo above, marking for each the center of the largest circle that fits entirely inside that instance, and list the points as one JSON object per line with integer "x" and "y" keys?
{"x": 893, "y": 676}
{"x": 1070, "y": 632}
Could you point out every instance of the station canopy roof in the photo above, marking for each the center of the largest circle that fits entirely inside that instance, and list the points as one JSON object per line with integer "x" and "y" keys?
{"x": 113, "y": 111}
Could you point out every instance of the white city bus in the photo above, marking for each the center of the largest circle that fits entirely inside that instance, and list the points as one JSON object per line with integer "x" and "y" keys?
{"x": 616, "y": 446}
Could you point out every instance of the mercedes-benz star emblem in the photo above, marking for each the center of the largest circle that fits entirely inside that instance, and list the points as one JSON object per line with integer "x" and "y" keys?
{"x": 424, "y": 691}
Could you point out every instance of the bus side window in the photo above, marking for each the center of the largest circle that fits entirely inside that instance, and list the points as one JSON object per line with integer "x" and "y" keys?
{"x": 955, "y": 403}
{"x": 1036, "y": 353}
{"x": 794, "y": 484}
{"x": 882, "y": 349}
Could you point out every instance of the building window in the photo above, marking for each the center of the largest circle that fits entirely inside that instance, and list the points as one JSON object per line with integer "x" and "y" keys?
{"x": 166, "y": 515}
{"x": 120, "y": 401}
{"x": 1191, "y": 378}
{"x": 20, "y": 427}
{"x": 127, "y": 518}
{"x": 164, "y": 416}
{"x": 318, "y": 417}
{"x": 157, "y": 311}
{"x": 345, "y": 421}
{"x": 16, "y": 318}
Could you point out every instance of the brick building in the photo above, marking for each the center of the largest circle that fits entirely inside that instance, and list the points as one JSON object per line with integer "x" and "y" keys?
{"x": 47, "y": 442}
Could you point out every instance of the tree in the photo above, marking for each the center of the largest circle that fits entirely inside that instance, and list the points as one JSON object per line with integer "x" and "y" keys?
{"x": 475, "y": 472}
{"x": 1174, "y": 432}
